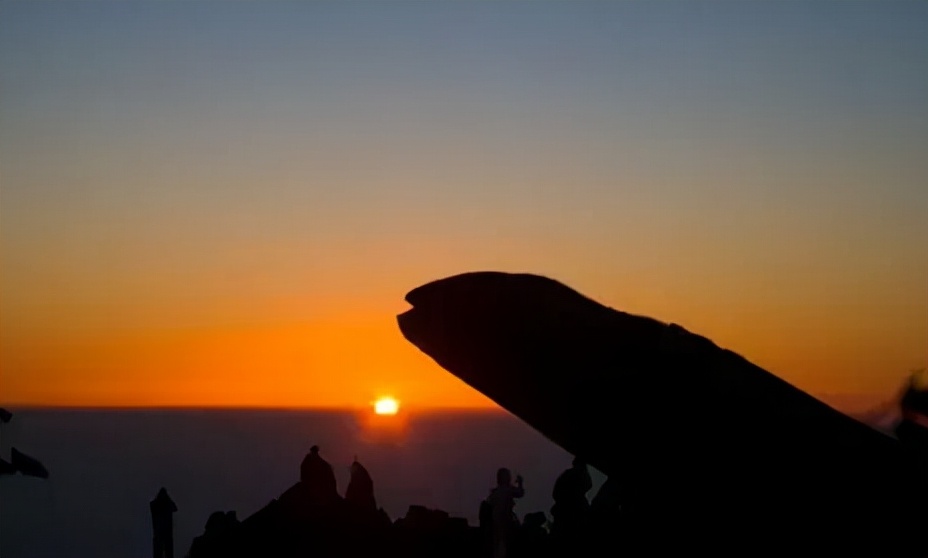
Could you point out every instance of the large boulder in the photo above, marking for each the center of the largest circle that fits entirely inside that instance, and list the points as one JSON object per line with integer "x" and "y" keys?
{"x": 713, "y": 453}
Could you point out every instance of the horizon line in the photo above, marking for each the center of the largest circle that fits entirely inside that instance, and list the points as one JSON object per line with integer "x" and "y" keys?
{"x": 243, "y": 407}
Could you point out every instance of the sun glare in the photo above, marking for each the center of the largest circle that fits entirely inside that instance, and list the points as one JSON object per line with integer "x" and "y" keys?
{"x": 386, "y": 406}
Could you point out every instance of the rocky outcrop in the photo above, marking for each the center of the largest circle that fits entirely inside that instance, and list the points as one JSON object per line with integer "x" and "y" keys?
{"x": 308, "y": 521}
{"x": 20, "y": 462}
{"x": 360, "y": 493}
{"x": 293, "y": 526}
{"x": 27, "y": 465}
{"x": 710, "y": 452}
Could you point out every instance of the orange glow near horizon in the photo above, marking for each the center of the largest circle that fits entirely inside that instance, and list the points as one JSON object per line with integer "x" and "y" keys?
{"x": 338, "y": 361}
{"x": 331, "y": 362}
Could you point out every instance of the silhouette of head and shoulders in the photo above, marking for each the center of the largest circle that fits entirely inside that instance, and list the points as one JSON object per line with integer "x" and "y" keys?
{"x": 502, "y": 496}
{"x": 574, "y": 483}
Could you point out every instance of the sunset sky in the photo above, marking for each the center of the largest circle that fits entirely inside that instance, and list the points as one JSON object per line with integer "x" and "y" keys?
{"x": 224, "y": 203}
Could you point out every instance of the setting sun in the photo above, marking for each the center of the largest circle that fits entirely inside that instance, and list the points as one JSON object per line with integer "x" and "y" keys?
{"x": 386, "y": 406}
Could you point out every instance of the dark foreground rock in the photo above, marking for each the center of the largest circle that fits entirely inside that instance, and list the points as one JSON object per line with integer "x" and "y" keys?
{"x": 294, "y": 525}
{"x": 709, "y": 452}
{"x": 312, "y": 519}
{"x": 27, "y": 465}
{"x": 20, "y": 462}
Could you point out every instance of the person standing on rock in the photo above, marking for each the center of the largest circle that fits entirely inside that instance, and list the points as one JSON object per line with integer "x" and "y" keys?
{"x": 162, "y": 522}
{"x": 502, "y": 502}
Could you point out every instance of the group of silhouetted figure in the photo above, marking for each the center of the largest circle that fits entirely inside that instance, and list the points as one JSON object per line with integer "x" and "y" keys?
{"x": 567, "y": 533}
{"x": 312, "y": 517}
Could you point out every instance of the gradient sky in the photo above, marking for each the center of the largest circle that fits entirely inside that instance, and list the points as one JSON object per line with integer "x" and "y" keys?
{"x": 224, "y": 203}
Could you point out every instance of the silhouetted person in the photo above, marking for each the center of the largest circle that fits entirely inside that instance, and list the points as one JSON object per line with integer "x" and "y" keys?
{"x": 571, "y": 508}
{"x": 571, "y": 511}
{"x": 317, "y": 474}
{"x": 360, "y": 493}
{"x": 162, "y": 522}
{"x": 503, "y": 521}
{"x": 5, "y": 415}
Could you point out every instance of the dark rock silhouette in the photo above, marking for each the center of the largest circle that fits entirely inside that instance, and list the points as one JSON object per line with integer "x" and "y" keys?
{"x": 28, "y": 466}
{"x": 912, "y": 429}
{"x": 914, "y": 436}
{"x": 318, "y": 477}
{"x": 914, "y": 401}
{"x": 360, "y": 493}
{"x": 220, "y": 537}
{"x": 284, "y": 528}
{"x": 425, "y": 532}
{"x": 19, "y": 461}
{"x": 713, "y": 453}
{"x": 162, "y": 522}
{"x": 298, "y": 524}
